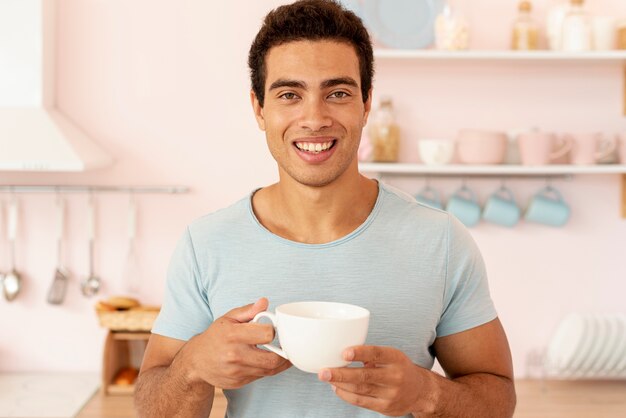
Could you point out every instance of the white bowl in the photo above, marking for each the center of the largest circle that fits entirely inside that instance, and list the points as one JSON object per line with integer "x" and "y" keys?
{"x": 436, "y": 151}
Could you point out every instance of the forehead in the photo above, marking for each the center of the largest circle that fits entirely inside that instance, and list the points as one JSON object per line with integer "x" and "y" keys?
{"x": 312, "y": 60}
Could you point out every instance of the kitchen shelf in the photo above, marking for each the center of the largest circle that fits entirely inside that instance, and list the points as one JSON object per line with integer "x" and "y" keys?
{"x": 502, "y": 170}
{"x": 487, "y": 55}
{"x": 498, "y": 170}
{"x": 545, "y": 56}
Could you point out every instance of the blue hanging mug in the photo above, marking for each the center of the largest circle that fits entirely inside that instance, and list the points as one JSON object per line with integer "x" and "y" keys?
{"x": 430, "y": 197}
{"x": 501, "y": 208}
{"x": 548, "y": 207}
{"x": 464, "y": 205}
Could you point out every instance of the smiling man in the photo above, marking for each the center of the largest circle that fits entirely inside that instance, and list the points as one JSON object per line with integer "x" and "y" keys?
{"x": 325, "y": 232}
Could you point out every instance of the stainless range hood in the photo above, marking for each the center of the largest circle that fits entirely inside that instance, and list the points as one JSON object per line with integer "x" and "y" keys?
{"x": 34, "y": 134}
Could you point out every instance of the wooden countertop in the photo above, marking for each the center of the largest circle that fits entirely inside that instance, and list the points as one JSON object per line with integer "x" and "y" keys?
{"x": 535, "y": 399}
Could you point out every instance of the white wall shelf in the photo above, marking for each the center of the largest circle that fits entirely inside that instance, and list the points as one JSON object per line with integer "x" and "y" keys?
{"x": 544, "y": 57}
{"x": 486, "y": 55}
{"x": 498, "y": 170}
{"x": 490, "y": 170}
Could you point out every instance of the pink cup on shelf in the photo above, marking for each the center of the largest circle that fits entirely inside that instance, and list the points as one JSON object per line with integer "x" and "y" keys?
{"x": 481, "y": 147}
{"x": 538, "y": 148}
{"x": 589, "y": 148}
{"x": 621, "y": 138}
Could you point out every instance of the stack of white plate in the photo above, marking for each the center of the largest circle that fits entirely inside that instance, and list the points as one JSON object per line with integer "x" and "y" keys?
{"x": 588, "y": 346}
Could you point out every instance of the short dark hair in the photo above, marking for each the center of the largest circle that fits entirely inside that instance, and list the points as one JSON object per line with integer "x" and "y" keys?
{"x": 310, "y": 20}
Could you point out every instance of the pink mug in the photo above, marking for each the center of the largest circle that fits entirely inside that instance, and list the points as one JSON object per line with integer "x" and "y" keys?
{"x": 589, "y": 148}
{"x": 537, "y": 148}
{"x": 621, "y": 138}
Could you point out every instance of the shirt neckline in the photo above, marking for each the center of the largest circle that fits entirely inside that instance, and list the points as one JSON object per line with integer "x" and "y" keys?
{"x": 356, "y": 232}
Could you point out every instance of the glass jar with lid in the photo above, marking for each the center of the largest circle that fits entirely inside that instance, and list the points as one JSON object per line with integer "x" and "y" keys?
{"x": 384, "y": 133}
{"x": 577, "y": 29}
{"x": 525, "y": 29}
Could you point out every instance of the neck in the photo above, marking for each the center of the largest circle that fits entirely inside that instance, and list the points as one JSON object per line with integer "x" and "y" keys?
{"x": 315, "y": 215}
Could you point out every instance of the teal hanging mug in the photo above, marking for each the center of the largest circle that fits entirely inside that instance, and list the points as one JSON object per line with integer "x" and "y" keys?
{"x": 464, "y": 205}
{"x": 548, "y": 207}
{"x": 501, "y": 208}
{"x": 430, "y": 197}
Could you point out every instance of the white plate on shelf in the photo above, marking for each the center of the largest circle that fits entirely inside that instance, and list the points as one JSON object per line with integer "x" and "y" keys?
{"x": 403, "y": 24}
{"x": 599, "y": 340}
{"x": 619, "y": 349}
{"x": 566, "y": 343}
{"x": 606, "y": 348}
{"x": 620, "y": 364}
{"x": 586, "y": 346}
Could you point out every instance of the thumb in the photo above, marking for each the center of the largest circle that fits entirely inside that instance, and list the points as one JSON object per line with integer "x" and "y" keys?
{"x": 247, "y": 312}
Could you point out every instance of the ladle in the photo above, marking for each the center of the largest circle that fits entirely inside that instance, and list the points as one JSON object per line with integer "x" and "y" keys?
{"x": 91, "y": 285}
{"x": 12, "y": 282}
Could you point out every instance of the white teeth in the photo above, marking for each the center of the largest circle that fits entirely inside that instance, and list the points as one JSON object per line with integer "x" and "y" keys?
{"x": 314, "y": 147}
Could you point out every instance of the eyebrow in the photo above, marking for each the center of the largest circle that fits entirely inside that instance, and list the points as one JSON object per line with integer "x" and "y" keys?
{"x": 281, "y": 82}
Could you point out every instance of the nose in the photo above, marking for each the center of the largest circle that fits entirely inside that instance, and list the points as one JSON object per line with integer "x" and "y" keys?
{"x": 315, "y": 116}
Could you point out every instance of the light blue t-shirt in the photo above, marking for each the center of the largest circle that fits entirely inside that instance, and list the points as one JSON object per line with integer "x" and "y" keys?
{"x": 415, "y": 268}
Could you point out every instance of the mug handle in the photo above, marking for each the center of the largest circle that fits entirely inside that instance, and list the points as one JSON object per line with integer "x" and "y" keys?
{"x": 272, "y": 318}
{"x": 468, "y": 192}
{"x": 506, "y": 191}
{"x": 568, "y": 143}
{"x": 611, "y": 145}
{"x": 549, "y": 189}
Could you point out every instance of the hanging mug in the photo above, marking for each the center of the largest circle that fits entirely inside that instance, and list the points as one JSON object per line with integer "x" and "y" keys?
{"x": 548, "y": 207}
{"x": 501, "y": 208}
{"x": 464, "y": 205}
{"x": 430, "y": 197}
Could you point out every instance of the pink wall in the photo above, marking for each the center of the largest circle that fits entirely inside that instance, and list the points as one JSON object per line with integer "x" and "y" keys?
{"x": 163, "y": 86}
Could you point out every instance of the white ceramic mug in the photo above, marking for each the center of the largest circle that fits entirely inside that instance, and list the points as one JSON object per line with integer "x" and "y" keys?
{"x": 604, "y": 33}
{"x": 314, "y": 335}
{"x": 436, "y": 151}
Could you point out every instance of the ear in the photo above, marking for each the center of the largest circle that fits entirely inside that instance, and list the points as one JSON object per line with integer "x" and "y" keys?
{"x": 258, "y": 110}
{"x": 367, "y": 106}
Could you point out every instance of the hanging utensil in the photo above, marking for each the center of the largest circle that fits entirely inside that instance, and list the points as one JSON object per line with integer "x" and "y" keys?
{"x": 131, "y": 274}
{"x": 2, "y": 273}
{"x": 12, "y": 283}
{"x": 91, "y": 284}
{"x": 56, "y": 293}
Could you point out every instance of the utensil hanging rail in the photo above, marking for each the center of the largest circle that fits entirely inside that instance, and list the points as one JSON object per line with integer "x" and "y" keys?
{"x": 8, "y": 188}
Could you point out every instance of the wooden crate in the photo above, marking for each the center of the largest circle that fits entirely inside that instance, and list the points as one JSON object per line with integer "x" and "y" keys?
{"x": 117, "y": 350}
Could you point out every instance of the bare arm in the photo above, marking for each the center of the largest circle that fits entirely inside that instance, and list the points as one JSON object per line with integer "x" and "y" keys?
{"x": 164, "y": 387}
{"x": 178, "y": 379}
{"x": 480, "y": 370}
{"x": 477, "y": 361}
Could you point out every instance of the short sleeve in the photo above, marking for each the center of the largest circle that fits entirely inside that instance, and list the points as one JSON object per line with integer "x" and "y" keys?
{"x": 466, "y": 300}
{"x": 185, "y": 311}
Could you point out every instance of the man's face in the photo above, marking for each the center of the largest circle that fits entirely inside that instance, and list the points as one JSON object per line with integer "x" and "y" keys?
{"x": 313, "y": 113}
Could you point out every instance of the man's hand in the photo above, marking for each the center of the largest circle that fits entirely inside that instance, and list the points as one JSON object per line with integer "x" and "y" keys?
{"x": 226, "y": 356}
{"x": 389, "y": 383}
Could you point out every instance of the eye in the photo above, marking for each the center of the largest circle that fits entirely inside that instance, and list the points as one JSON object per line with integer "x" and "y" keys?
{"x": 288, "y": 96}
{"x": 339, "y": 95}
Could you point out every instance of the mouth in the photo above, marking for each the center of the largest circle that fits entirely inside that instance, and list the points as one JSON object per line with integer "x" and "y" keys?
{"x": 316, "y": 147}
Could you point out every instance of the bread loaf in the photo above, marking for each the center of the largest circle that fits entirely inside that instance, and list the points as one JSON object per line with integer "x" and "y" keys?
{"x": 126, "y": 376}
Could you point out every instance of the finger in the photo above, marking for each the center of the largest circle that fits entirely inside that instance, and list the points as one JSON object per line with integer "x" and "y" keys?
{"x": 246, "y": 313}
{"x": 245, "y": 372}
{"x": 366, "y": 389}
{"x": 361, "y": 401}
{"x": 263, "y": 359}
{"x": 372, "y": 354}
{"x": 369, "y": 375}
{"x": 250, "y": 333}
